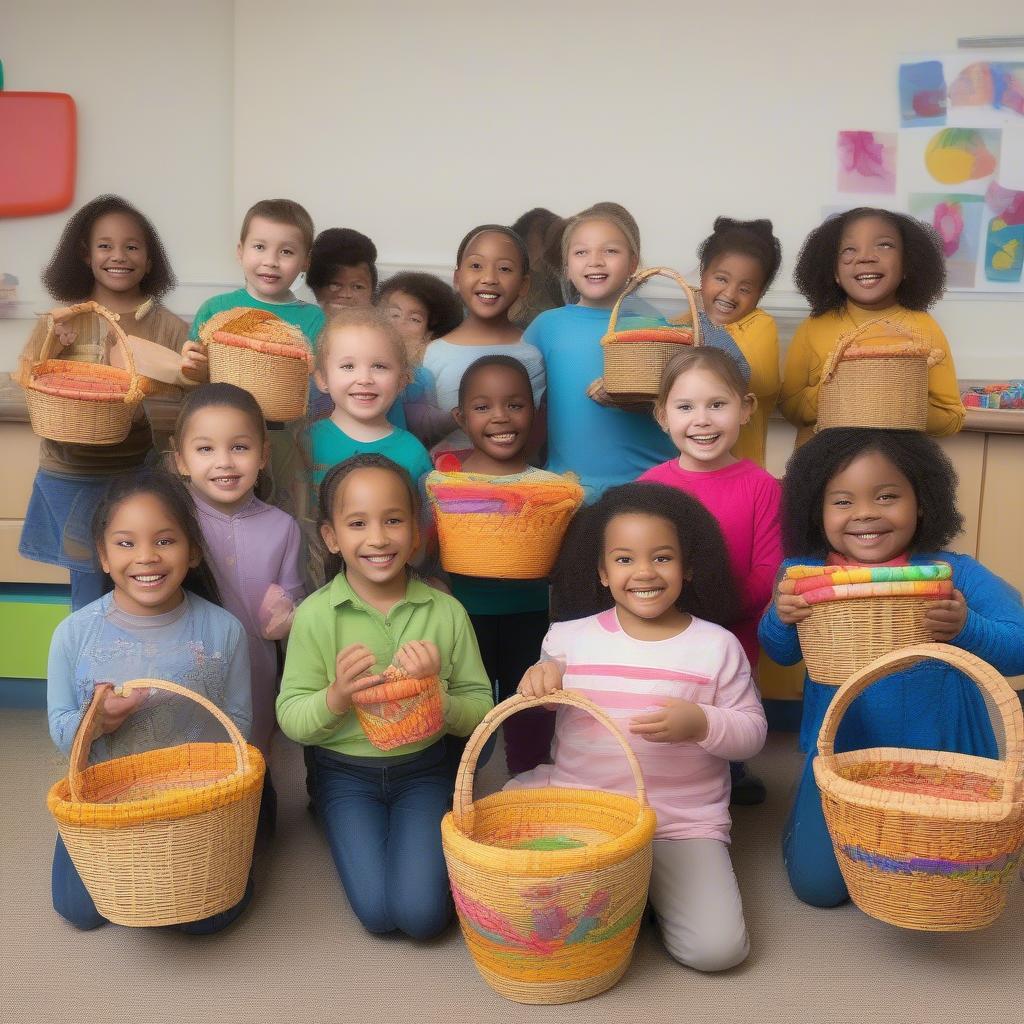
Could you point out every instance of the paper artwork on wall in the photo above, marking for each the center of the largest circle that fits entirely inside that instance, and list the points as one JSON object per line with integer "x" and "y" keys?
{"x": 867, "y": 162}
{"x": 1004, "y": 238}
{"x": 922, "y": 94}
{"x": 996, "y": 85}
{"x": 957, "y": 219}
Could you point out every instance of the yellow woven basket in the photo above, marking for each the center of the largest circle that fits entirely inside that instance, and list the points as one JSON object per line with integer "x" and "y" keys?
{"x": 166, "y": 836}
{"x": 400, "y": 710}
{"x": 550, "y": 884}
{"x": 635, "y": 359}
{"x": 926, "y": 839}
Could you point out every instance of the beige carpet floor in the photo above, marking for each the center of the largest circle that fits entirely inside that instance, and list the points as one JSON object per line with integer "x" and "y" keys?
{"x": 299, "y": 955}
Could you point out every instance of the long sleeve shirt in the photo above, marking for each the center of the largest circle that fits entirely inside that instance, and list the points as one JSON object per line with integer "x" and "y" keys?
{"x": 757, "y": 337}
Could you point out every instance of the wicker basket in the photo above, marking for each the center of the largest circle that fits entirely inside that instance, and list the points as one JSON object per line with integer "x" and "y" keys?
{"x": 635, "y": 360}
{"x": 162, "y": 837}
{"x": 83, "y": 402}
{"x": 925, "y": 839}
{"x": 518, "y": 539}
{"x": 877, "y": 376}
{"x": 399, "y": 710}
{"x": 550, "y": 884}
{"x": 258, "y": 351}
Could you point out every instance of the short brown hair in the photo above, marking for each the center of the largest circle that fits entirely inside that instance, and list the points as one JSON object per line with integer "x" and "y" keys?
{"x": 361, "y": 316}
{"x": 281, "y": 211}
{"x": 704, "y": 357}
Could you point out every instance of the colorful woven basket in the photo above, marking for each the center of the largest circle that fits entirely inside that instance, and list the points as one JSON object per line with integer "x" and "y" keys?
{"x": 862, "y": 612}
{"x": 637, "y": 349}
{"x": 550, "y": 884}
{"x": 501, "y": 527}
{"x": 71, "y": 400}
{"x": 258, "y": 351}
{"x": 166, "y": 836}
{"x": 399, "y": 710}
{"x": 926, "y": 839}
{"x": 877, "y": 376}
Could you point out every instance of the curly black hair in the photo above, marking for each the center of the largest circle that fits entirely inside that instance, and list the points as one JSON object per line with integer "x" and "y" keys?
{"x": 914, "y": 454}
{"x": 339, "y": 247}
{"x": 68, "y": 277}
{"x": 444, "y": 307}
{"x": 753, "y": 238}
{"x": 500, "y": 229}
{"x": 924, "y": 266}
{"x": 709, "y": 593}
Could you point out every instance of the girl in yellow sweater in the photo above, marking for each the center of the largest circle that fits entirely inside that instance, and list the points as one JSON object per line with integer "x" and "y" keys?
{"x": 738, "y": 262}
{"x": 857, "y": 267}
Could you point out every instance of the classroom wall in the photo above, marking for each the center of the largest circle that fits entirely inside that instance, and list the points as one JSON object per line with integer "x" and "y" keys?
{"x": 414, "y": 121}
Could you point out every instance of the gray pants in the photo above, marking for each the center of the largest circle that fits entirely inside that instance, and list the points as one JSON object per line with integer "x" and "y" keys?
{"x": 697, "y": 903}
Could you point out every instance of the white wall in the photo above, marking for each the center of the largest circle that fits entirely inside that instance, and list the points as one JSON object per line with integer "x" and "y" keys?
{"x": 413, "y": 121}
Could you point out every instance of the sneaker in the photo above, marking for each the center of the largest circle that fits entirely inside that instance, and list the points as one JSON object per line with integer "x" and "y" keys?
{"x": 747, "y": 789}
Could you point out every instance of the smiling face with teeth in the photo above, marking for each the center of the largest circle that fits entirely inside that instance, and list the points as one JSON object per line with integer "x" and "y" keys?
{"x": 731, "y": 287}
{"x": 118, "y": 259}
{"x": 599, "y": 261}
{"x": 869, "y": 264}
{"x": 497, "y": 415}
{"x": 490, "y": 276}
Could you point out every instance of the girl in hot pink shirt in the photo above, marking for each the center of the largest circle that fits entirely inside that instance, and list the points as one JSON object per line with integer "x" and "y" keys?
{"x": 638, "y": 599}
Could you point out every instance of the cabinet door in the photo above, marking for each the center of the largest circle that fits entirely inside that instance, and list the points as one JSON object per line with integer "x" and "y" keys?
{"x": 966, "y": 450}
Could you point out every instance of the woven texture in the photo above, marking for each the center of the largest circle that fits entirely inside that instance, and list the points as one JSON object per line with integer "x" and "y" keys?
{"x": 927, "y": 840}
{"x": 165, "y": 836}
{"x": 549, "y": 884}
{"x": 635, "y": 353}
{"x": 500, "y": 528}
{"x": 399, "y": 710}
{"x": 258, "y": 351}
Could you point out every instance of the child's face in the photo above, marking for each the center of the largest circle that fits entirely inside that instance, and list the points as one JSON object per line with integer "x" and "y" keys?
{"x": 410, "y": 317}
{"x": 491, "y": 276}
{"x": 869, "y": 264}
{"x": 599, "y": 262}
{"x": 703, "y": 416}
{"x": 731, "y": 286}
{"x": 147, "y": 555}
{"x": 117, "y": 254}
{"x": 272, "y": 256}
{"x": 497, "y": 413}
{"x": 642, "y": 565}
{"x": 222, "y": 450}
{"x": 870, "y": 511}
{"x": 348, "y": 287}
{"x": 372, "y": 527}
{"x": 362, "y": 372}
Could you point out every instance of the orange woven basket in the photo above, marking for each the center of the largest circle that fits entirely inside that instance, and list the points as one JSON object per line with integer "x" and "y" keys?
{"x": 635, "y": 359}
{"x": 925, "y": 839}
{"x": 258, "y": 351}
{"x": 165, "y": 836}
{"x": 399, "y": 710}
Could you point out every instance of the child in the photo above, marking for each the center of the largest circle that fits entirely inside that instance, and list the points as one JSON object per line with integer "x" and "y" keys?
{"x": 640, "y": 577}
{"x": 858, "y": 267}
{"x": 491, "y": 275}
{"x": 703, "y": 406}
{"x": 545, "y": 291}
{"x": 738, "y": 262}
{"x": 162, "y": 621}
{"x": 587, "y": 435}
{"x": 220, "y": 446}
{"x": 382, "y": 810}
{"x": 879, "y": 497}
{"x": 510, "y": 617}
{"x": 110, "y": 253}
{"x": 342, "y": 270}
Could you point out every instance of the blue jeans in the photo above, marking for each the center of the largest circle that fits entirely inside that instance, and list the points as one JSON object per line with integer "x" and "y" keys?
{"x": 72, "y": 901}
{"x": 384, "y": 830}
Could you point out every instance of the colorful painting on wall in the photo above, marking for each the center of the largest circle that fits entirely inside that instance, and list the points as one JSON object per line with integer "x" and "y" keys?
{"x": 922, "y": 94}
{"x": 956, "y": 155}
{"x": 995, "y": 84}
{"x": 867, "y": 162}
{"x": 1004, "y": 240}
{"x": 957, "y": 218}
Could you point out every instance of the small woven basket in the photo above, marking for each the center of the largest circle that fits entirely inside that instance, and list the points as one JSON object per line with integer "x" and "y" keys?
{"x": 635, "y": 360}
{"x": 928, "y": 840}
{"x": 70, "y": 400}
{"x": 550, "y": 884}
{"x": 399, "y": 710}
{"x": 258, "y": 351}
{"x": 165, "y": 836}
{"x": 877, "y": 376}
{"x": 518, "y": 539}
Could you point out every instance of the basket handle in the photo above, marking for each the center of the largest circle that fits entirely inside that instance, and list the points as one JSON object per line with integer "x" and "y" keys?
{"x": 462, "y": 808}
{"x": 643, "y": 275}
{"x": 1003, "y": 697}
{"x": 835, "y": 357}
{"x": 84, "y": 737}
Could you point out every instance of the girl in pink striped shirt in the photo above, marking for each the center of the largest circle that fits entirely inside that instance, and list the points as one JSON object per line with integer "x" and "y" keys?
{"x": 638, "y": 601}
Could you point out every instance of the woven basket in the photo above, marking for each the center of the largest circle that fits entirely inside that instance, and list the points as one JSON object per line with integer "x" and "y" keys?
{"x": 550, "y": 884}
{"x": 521, "y": 542}
{"x": 70, "y": 400}
{"x": 635, "y": 360}
{"x": 258, "y": 351}
{"x": 162, "y": 837}
{"x": 399, "y": 710}
{"x": 925, "y": 839}
{"x": 881, "y": 382}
